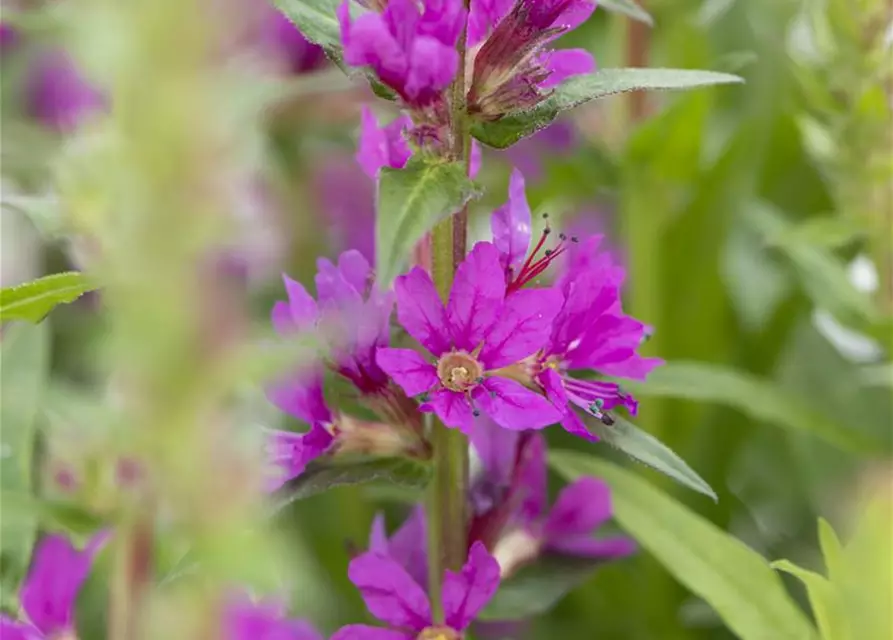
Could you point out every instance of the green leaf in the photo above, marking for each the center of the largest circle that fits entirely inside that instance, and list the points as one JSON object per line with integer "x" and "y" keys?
{"x": 317, "y": 21}
{"x": 32, "y": 301}
{"x": 627, "y": 8}
{"x": 757, "y": 398}
{"x": 52, "y": 514}
{"x": 822, "y": 598}
{"x": 410, "y": 202}
{"x": 825, "y": 232}
{"x": 24, "y": 361}
{"x": 732, "y": 578}
{"x": 647, "y": 449}
{"x": 322, "y": 475}
{"x": 538, "y": 587}
{"x": 832, "y": 550}
{"x": 582, "y": 89}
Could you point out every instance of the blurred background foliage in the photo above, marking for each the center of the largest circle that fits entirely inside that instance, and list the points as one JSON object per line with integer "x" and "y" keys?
{"x": 755, "y": 222}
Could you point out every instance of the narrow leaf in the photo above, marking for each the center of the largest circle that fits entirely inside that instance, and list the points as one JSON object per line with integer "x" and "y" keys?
{"x": 647, "y": 449}
{"x": 582, "y": 89}
{"x": 536, "y": 588}
{"x": 759, "y": 399}
{"x": 32, "y": 301}
{"x": 410, "y": 202}
{"x": 822, "y": 598}
{"x": 832, "y": 550}
{"x": 323, "y": 475}
{"x": 627, "y": 8}
{"x": 732, "y": 578}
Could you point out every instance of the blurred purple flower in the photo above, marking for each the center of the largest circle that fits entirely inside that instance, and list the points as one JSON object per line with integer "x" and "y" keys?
{"x": 411, "y": 46}
{"x": 9, "y": 37}
{"x": 49, "y": 592}
{"x": 347, "y": 198}
{"x": 528, "y": 154}
{"x": 246, "y": 620}
{"x": 58, "y": 95}
{"x": 478, "y": 333}
{"x": 299, "y": 54}
{"x": 392, "y": 596}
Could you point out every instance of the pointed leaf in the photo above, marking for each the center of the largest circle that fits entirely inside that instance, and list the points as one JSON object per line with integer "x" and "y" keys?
{"x": 323, "y": 475}
{"x": 32, "y": 301}
{"x": 410, "y": 202}
{"x": 832, "y": 550}
{"x": 759, "y": 399}
{"x": 627, "y": 8}
{"x": 731, "y": 577}
{"x": 581, "y": 89}
{"x": 538, "y": 587}
{"x": 822, "y": 598}
{"x": 647, "y": 449}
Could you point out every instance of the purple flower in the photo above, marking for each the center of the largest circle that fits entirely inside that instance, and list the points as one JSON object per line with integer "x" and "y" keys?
{"x": 528, "y": 154}
{"x": 515, "y": 68}
{"x": 392, "y": 596}
{"x": 474, "y": 338}
{"x": 58, "y": 95}
{"x": 49, "y": 592}
{"x": 521, "y": 527}
{"x": 411, "y": 46}
{"x": 382, "y": 146}
{"x": 283, "y": 36}
{"x": 246, "y": 620}
{"x": 407, "y": 546}
{"x": 591, "y": 332}
{"x": 347, "y": 198}
{"x": 8, "y": 36}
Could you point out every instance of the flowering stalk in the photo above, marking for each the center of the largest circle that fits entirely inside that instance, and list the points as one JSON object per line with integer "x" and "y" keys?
{"x": 447, "y": 511}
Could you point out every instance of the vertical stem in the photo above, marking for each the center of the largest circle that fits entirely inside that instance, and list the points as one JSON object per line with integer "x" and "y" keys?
{"x": 132, "y": 577}
{"x": 447, "y": 499}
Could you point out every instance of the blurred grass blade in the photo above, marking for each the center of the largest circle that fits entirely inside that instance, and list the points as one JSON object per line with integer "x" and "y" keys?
{"x": 627, "y": 8}
{"x": 410, "y": 202}
{"x": 756, "y": 398}
{"x": 822, "y": 598}
{"x": 735, "y": 580}
{"x": 832, "y": 550}
{"x": 24, "y": 363}
{"x": 536, "y": 588}
{"x": 582, "y": 89}
{"x": 647, "y": 449}
{"x": 33, "y": 300}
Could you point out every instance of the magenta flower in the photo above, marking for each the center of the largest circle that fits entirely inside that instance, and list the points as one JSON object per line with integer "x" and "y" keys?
{"x": 407, "y": 545}
{"x": 9, "y": 37}
{"x": 58, "y": 95}
{"x": 347, "y": 198}
{"x": 477, "y": 335}
{"x": 382, "y": 146}
{"x": 246, "y": 620}
{"x": 528, "y": 155}
{"x": 392, "y": 596}
{"x": 299, "y": 54}
{"x": 49, "y": 592}
{"x": 411, "y": 46}
{"x": 515, "y": 68}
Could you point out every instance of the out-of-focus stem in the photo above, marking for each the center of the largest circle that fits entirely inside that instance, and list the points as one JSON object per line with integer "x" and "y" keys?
{"x": 132, "y": 578}
{"x": 447, "y": 508}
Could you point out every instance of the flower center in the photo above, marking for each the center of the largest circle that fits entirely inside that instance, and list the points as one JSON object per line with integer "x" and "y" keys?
{"x": 439, "y": 633}
{"x": 459, "y": 371}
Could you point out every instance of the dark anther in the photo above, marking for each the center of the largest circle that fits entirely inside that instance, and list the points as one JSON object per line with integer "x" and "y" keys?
{"x": 607, "y": 419}
{"x": 492, "y": 394}
{"x": 475, "y": 413}
{"x": 545, "y": 216}
{"x": 562, "y": 236}
{"x": 575, "y": 239}
{"x": 548, "y": 252}
{"x": 547, "y": 231}
{"x": 479, "y": 380}
{"x": 424, "y": 397}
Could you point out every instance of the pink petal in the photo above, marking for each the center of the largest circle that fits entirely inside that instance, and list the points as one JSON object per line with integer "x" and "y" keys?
{"x": 378, "y": 535}
{"x": 476, "y": 297}
{"x": 301, "y": 396}
{"x": 554, "y": 388}
{"x": 408, "y": 546}
{"x": 365, "y": 632}
{"x": 577, "y": 12}
{"x": 510, "y": 224}
{"x": 390, "y": 594}
{"x": 291, "y": 452}
{"x": 589, "y": 547}
{"x": 581, "y": 508}
{"x": 432, "y": 68}
{"x": 408, "y": 369}
{"x": 12, "y": 630}
{"x": 382, "y": 146}
{"x": 298, "y": 313}
{"x": 452, "y": 408}
{"x": 522, "y": 328}
{"x": 476, "y": 159}
{"x": 513, "y": 406}
{"x": 530, "y": 478}
{"x": 421, "y": 312}
{"x": 369, "y": 43}
{"x": 465, "y": 593}
{"x": 495, "y": 447}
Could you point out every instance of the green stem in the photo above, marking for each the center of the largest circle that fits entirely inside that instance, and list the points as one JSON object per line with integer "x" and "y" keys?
{"x": 448, "y": 492}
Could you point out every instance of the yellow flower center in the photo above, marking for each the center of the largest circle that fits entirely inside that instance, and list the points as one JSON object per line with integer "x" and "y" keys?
{"x": 439, "y": 633}
{"x": 459, "y": 371}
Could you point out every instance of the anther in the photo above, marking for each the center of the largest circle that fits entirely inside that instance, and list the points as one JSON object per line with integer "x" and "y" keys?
{"x": 548, "y": 252}
{"x": 562, "y": 236}
{"x": 475, "y": 412}
{"x": 575, "y": 239}
{"x": 424, "y": 397}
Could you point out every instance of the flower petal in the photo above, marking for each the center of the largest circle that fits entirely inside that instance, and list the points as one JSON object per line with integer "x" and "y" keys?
{"x": 291, "y": 452}
{"x": 365, "y": 632}
{"x": 530, "y": 478}
{"x": 476, "y": 159}
{"x": 581, "y": 508}
{"x": 389, "y": 592}
{"x": 298, "y": 313}
{"x": 465, "y": 593}
{"x": 554, "y": 387}
{"x": 12, "y": 630}
{"x": 368, "y": 42}
{"x": 57, "y": 572}
{"x": 382, "y": 146}
{"x": 408, "y": 546}
{"x": 513, "y": 406}
{"x": 476, "y": 297}
{"x": 378, "y": 535}
{"x": 496, "y": 448}
{"x": 522, "y": 328}
{"x": 302, "y": 397}
{"x": 564, "y": 64}
{"x": 511, "y": 223}
{"x": 432, "y": 68}
{"x": 421, "y": 312}
{"x": 247, "y": 620}
{"x": 452, "y": 408}
{"x": 408, "y": 369}
{"x": 589, "y": 547}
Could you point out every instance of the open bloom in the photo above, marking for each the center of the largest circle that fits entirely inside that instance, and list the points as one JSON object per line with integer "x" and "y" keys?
{"x": 247, "y": 620}
{"x": 58, "y": 570}
{"x": 393, "y": 597}
{"x": 515, "y": 68}
{"x": 411, "y": 46}
{"x": 477, "y": 335}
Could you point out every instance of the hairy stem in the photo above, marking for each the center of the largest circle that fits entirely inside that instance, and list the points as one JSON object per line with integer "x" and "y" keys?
{"x": 447, "y": 499}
